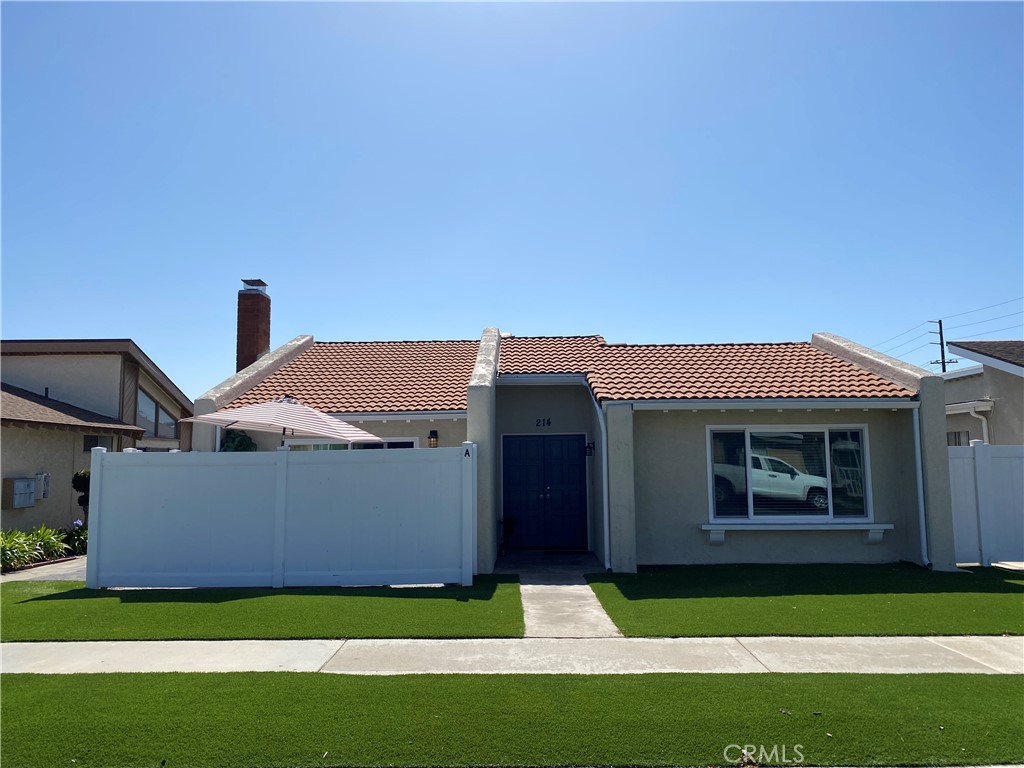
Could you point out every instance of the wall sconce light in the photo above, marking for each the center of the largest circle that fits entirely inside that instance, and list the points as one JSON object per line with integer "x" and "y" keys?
{"x": 589, "y": 448}
{"x": 432, "y": 439}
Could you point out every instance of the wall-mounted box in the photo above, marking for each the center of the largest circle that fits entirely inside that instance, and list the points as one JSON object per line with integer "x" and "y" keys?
{"x": 18, "y": 493}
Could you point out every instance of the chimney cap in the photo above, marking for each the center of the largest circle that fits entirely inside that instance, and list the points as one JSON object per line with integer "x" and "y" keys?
{"x": 254, "y": 284}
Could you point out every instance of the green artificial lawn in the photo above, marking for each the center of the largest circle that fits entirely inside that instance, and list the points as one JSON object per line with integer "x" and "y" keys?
{"x": 64, "y": 610}
{"x": 315, "y": 719}
{"x": 747, "y": 600}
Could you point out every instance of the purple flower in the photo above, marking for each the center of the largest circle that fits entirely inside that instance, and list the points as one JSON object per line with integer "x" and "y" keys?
{"x": 77, "y": 524}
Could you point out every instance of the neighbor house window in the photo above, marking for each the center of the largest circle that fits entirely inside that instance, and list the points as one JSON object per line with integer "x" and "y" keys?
{"x": 958, "y": 438}
{"x": 153, "y": 418}
{"x": 390, "y": 443}
{"x": 97, "y": 441}
{"x": 775, "y": 473}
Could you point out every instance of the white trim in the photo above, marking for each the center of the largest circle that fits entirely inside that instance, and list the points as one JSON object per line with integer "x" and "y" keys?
{"x": 402, "y": 416}
{"x": 545, "y": 379}
{"x": 822, "y": 404}
{"x": 874, "y": 531}
{"x": 962, "y": 373}
{"x": 968, "y": 406}
{"x": 751, "y": 518}
{"x": 991, "y": 362}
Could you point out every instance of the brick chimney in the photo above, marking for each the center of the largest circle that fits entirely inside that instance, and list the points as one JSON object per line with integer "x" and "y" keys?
{"x": 253, "y": 338}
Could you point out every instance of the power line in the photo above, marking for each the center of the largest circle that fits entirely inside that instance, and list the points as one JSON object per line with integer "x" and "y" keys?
{"x": 972, "y": 311}
{"x": 876, "y": 346}
{"x": 986, "y": 333}
{"x": 979, "y": 322}
{"x": 905, "y": 343}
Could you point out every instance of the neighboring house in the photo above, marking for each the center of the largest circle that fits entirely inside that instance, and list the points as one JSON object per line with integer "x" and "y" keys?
{"x": 639, "y": 453}
{"x": 986, "y": 401}
{"x": 63, "y": 397}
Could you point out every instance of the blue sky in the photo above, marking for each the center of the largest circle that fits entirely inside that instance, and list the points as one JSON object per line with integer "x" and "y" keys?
{"x": 653, "y": 173}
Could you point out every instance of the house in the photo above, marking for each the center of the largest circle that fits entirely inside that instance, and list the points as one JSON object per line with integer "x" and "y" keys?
{"x": 62, "y": 398}
{"x": 819, "y": 451}
{"x": 986, "y": 401}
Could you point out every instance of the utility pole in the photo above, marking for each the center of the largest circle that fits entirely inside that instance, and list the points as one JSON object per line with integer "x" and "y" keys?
{"x": 942, "y": 347}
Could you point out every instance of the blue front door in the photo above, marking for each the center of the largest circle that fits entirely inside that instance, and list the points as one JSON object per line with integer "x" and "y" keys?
{"x": 544, "y": 496}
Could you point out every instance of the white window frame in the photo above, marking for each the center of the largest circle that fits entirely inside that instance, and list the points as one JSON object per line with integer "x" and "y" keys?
{"x": 326, "y": 441}
{"x": 788, "y": 520}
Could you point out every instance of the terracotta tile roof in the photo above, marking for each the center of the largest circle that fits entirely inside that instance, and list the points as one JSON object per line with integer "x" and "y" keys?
{"x": 402, "y": 376}
{"x": 21, "y": 407}
{"x": 1007, "y": 351}
{"x": 548, "y": 354}
{"x": 373, "y": 377}
{"x": 731, "y": 371}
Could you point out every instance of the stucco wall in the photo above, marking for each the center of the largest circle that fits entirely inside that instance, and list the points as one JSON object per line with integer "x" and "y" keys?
{"x": 26, "y": 452}
{"x": 1006, "y": 424}
{"x": 88, "y": 381}
{"x": 671, "y": 489}
{"x": 450, "y": 433}
{"x": 967, "y": 388}
{"x": 571, "y": 411}
{"x": 1005, "y": 420}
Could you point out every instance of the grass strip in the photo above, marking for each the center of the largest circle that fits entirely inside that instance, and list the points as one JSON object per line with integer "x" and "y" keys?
{"x": 811, "y": 600}
{"x": 310, "y": 719}
{"x": 65, "y": 610}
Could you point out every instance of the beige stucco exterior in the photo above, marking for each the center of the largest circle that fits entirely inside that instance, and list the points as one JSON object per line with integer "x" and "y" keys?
{"x": 672, "y": 501}
{"x": 1006, "y": 417}
{"x": 451, "y": 432}
{"x": 571, "y": 411}
{"x": 25, "y": 452}
{"x": 92, "y": 382}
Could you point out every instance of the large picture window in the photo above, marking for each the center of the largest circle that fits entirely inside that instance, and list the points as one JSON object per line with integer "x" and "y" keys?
{"x": 772, "y": 473}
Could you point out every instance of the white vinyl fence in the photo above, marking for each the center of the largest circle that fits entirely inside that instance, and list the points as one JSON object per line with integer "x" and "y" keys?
{"x": 281, "y": 519}
{"x": 987, "y": 483}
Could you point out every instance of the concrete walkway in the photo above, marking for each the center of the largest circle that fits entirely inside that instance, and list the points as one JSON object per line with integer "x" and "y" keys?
{"x": 557, "y": 601}
{"x": 69, "y": 570}
{"x": 875, "y": 655}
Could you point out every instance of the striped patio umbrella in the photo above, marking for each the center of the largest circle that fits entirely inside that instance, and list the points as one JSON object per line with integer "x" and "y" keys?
{"x": 289, "y": 416}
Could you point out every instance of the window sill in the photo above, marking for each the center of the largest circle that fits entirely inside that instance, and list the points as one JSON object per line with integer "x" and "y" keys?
{"x": 873, "y": 532}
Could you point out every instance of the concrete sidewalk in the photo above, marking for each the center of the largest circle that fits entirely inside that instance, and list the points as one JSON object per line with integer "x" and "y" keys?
{"x": 875, "y": 655}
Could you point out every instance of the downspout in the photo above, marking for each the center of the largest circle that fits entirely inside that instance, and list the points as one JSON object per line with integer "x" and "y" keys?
{"x": 605, "y": 506}
{"x": 919, "y": 467}
{"x": 984, "y": 423}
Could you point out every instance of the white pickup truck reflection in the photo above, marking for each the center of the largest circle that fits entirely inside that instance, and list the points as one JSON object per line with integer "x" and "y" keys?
{"x": 773, "y": 478}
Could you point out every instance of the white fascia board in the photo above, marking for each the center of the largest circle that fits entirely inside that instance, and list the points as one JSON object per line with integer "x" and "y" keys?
{"x": 762, "y": 405}
{"x": 968, "y": 406}
{"x": 962, "y": 373}
{"x": 547, "y": 379}
{"x": 991, "y": 362}
{"x": 401, "y": 416}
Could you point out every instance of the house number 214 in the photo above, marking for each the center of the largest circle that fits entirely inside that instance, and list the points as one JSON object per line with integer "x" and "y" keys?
{"x": 543, "y": 422}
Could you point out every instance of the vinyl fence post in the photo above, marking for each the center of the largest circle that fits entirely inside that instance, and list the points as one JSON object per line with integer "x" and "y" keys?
{"x": 280, "y": 515}
{"x": 92, "y": 558}
{"x": 469, "y": 502}
{"x": 983, "y": 486}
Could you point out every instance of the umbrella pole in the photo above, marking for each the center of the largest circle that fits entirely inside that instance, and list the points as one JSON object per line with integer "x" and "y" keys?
{"x": 282, "y": 436}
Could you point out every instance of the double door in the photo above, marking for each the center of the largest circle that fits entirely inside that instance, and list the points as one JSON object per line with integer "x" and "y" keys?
{"x": 544, "y": 491}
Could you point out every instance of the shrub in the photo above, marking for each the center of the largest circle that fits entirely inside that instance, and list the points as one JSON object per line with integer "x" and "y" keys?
{"x": 50, "y": 542}
{"x": 237, "y": 440}
{"x": 77, "y": 537}
{"x": 17, "y": 549}
{"x": 20, "y": 548}
{"x": 80, "y": 482}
